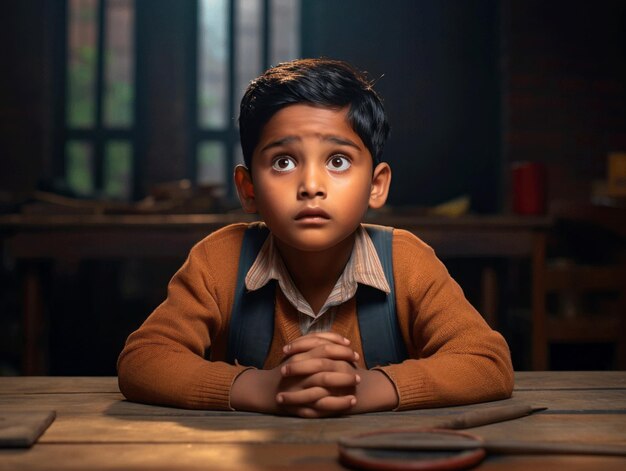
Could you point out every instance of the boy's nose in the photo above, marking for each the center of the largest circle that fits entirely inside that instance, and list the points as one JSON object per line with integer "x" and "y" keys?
{"x": 311, "y": 184}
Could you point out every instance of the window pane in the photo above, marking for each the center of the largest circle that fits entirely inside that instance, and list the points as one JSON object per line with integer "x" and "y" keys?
{"x": 118, "y": 164}
{"x": 81, "y": 67}
{"x": 248, "y": 34}
{"x": 213, "y": 63}
{"x": 118, "y": 93}
{"x": 285, "y": 30}
{"x": 212, "y": 163}
{"x": 79, "y": 167}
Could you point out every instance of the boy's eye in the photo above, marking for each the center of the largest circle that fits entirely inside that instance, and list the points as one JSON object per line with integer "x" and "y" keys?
{"x": 283, "y": 164}
{"x": 338, "y": 163}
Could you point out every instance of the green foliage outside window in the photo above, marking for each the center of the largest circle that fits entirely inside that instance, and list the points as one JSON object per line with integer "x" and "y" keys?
{"x": 79, "y": 164}
{"x": 81, "y": 99}
{"x": 119, "y": 95}
{"x": 118, "y": 170}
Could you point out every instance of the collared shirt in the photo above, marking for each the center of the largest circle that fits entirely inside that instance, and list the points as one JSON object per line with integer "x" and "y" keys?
{"x": 363, "y": 267}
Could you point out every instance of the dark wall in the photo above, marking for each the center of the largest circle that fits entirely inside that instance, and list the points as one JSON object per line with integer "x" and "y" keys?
{"x": 32, "y": 94}
{"x": 165, "y": 45}
{"x": 23, "y": 105}
{"x": 470, "y": 87}
{"x": 565, "y": 93}
{"x": 437, "y": 67}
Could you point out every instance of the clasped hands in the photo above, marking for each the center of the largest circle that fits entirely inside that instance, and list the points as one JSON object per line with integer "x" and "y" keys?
{"x": 317, "y": 378}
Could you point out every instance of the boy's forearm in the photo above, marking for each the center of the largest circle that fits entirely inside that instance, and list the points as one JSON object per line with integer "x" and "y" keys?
{"x": 255, "y": 391}
{"x": 375, "y": 392}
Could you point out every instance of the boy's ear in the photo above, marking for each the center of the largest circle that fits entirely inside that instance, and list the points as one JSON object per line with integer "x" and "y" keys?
{"x": 381, "y": 179}
{"x": 245, "y": 189}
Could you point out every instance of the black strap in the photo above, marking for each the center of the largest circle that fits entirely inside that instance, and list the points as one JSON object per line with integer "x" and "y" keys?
{"x": 252, "y": 319}
{"x": 376, "y": 310}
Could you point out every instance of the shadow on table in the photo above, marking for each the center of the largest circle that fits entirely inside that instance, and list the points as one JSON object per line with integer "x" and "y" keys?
{"x": 184, "y": 425}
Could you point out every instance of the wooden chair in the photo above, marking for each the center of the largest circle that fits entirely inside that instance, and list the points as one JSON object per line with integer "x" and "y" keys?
{"x": 576, "y": 303}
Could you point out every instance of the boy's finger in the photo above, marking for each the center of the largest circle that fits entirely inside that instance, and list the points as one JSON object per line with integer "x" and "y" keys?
{"x": 333, "y": 380}
{"x": 335, "y": 404}
{"x": 316, "y": 366}
{"x": 307, "y": 366}
{"x": 307, "y": 342}
{"x": 309, "y": 412}
{"x": 324, "y": 405}
{"x": 331, "y": 336}
{"x": 301, "y": 397}
{"x": 327, "y": 350}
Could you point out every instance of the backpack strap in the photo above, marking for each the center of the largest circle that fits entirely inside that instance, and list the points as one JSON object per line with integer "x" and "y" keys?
{"x": 378, "y": 323}
{"x": 252, "y": 318}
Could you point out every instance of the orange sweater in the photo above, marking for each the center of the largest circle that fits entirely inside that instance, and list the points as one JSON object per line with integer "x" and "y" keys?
{"x": 455, "y": 357}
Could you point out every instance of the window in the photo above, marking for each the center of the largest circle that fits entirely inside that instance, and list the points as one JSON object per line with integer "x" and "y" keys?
{"x": 98, "y": 149}
{"x": 236, "y": 40}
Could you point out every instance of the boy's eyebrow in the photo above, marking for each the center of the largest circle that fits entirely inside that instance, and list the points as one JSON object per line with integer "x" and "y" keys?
{"x": 326, "y": 137}
{"x": 341, "y": 141}
{"x": 279, "y": 142}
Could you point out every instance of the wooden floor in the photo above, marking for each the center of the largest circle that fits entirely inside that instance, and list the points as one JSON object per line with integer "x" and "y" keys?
{"x": 96, "y": 428}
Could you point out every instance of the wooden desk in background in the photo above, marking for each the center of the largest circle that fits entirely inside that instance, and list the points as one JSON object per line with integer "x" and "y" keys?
{"x": 96, "y": 428}
{"x": 31, "y": 239}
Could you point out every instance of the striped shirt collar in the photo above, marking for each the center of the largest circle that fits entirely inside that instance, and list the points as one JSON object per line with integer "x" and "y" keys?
{"x": 363, "y": 267}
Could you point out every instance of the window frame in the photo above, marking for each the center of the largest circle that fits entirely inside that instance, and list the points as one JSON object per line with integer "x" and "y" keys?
{"x": 228, "y": 136}
{"x": 98, "y": 135}
{"x": 135, "y": 134}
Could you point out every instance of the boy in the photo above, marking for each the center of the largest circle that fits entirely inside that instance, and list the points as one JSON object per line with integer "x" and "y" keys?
{"x": 312, "y": 133}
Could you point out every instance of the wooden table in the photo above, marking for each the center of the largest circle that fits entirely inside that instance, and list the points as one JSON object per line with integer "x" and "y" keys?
{"x": 31, "y": 239}
{"x": 97, "y": 429}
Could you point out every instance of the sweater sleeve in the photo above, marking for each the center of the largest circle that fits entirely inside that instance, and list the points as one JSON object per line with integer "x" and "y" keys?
{"x": 456, "y": 358}
{"x": 163, "y": 361}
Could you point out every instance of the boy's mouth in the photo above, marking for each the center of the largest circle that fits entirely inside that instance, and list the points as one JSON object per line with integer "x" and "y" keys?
{"x": 312, "y": 213}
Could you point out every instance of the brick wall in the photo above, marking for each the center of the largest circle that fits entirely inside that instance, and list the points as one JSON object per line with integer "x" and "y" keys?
{"x": 22, "y": 99}
{"x": 564, "y": 65}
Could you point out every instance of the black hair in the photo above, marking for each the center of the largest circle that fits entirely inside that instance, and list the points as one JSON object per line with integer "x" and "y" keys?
{"x": 319, "y": 82}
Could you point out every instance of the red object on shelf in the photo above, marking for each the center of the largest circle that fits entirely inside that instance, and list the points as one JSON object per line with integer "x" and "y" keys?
{"x": 529, "y": 188}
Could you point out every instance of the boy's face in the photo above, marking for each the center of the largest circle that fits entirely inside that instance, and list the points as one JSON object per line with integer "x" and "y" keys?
{"x": 312, "y": 178}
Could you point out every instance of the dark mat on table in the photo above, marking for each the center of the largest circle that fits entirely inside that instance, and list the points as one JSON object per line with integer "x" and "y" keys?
{"x": 23, "y": 429}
